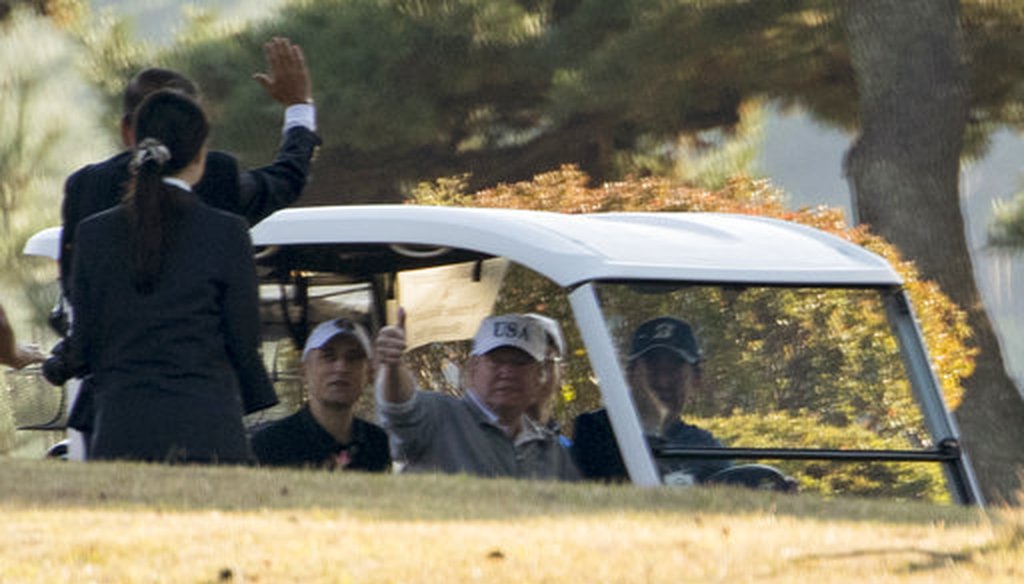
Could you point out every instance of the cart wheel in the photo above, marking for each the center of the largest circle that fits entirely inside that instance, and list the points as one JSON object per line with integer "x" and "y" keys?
{"x": 755, "y": 476}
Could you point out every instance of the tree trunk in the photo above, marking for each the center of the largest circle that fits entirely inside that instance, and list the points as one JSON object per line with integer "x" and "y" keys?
{"x": 904, "y": 170}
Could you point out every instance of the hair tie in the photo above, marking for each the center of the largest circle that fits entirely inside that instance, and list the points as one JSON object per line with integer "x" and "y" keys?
{"x": 150, "y": 149}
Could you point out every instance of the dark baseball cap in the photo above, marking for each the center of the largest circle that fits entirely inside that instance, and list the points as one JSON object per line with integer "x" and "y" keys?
{"x": 667, "y": 333}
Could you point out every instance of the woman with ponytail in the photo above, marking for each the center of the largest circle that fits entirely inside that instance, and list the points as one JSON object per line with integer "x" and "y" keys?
{"x": 166, "y": 306}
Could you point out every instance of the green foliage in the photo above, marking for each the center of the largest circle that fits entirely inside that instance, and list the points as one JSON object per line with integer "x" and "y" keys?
{"x": 869, "y": 479}
{"x": 995, "y": 48}
{"x": 1008, "y": 229}
{"x": 502, "y": 90}
{"x": 113, "y": 55}
{"x": 6, "y": 417}
{"x": 48, "y": 127}
{"x": 393, "y": 75}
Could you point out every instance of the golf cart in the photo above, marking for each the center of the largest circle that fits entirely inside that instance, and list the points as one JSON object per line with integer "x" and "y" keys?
{"x": 814, "y": 371}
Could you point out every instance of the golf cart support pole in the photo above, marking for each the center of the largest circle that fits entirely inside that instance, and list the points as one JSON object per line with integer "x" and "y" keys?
{"x": 616, "y": 396}
{"x": 928, "y": 392}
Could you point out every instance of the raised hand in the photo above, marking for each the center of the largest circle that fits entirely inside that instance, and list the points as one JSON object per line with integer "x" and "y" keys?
{"x": 287, "y": 80}
{"x": 393, "y": 382}
{"x": 390, "y": 343}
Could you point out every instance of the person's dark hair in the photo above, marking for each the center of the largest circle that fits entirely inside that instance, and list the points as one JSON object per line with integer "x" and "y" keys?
{"x": 153, "y": 79}
{"x": 170, "y": 130}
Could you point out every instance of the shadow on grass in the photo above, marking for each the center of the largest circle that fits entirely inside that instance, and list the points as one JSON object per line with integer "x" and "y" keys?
{"x": 1009, "y": 540}
{"x": 51, "y": 483}
{"x": 933, "y": 560}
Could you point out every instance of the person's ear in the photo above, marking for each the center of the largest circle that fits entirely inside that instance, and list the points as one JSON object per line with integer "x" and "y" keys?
{"x": 304, "y": 373}
{"x": 697, "y": 378}
{"x": 127, "y": 131}
{"x": 467, "y": 373}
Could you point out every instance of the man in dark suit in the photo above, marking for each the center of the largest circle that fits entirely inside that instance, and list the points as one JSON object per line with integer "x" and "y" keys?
{"x": 254, "y": 194}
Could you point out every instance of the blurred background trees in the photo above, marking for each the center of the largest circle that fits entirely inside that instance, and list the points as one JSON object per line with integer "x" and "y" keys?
{"x": 49, "y": 125}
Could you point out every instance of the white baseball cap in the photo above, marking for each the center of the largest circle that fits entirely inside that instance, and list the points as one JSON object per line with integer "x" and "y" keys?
{"x": 511, "y": 330}
{"x": 552, "y": 328}
{"x": 327, "y": 330}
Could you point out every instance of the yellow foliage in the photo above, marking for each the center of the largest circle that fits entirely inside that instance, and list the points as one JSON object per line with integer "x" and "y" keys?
{"x": 569, "y": 190}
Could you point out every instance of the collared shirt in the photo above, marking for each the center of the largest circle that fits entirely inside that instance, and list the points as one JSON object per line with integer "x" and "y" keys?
{"x": 486, "y": 411}
{"x": 490, "y": 415}
{"x": 177, "y": 182}
{"x": 299, "y": 440}
{"x": 433, "y": 432}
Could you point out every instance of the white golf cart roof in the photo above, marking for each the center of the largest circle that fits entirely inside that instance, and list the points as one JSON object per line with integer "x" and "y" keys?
{"x": 570, "y": 249}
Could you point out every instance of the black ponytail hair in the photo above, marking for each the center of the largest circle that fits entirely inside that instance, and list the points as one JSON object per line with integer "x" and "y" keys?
{"x": 170, "y": 131}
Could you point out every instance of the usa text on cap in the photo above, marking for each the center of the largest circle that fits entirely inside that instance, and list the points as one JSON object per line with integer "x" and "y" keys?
{"x": 511, "y": 330}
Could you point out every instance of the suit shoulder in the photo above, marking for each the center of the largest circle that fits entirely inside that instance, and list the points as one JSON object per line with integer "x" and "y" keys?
{"x": 222, "y": 218}
{"x": 103, "y": 220}
{"x": 100, "y": 226}
{"x": 220, "y": 159}
{"x": 115, "y": 165}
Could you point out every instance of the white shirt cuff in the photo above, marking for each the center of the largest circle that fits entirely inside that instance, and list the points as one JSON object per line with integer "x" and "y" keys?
{"x": 300, "y": 114}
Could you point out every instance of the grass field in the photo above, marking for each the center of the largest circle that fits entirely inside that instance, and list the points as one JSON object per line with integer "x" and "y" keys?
{"x": 71, "y": 522}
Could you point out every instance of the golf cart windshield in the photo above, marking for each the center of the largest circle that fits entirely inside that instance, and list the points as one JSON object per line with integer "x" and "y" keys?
{"x": 810, "y": 379}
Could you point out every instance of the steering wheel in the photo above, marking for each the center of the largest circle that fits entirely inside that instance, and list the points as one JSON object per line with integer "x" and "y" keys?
{"x": 755, "y": 476}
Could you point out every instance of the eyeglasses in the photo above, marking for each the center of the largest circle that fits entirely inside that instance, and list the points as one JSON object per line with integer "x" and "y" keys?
{"x": 512, "y": 359}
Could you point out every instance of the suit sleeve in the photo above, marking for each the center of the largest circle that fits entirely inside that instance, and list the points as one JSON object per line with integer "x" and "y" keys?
{"x": 241, "y": 323}
{"x": 268, "y": 188}
{"x": 89, "y": 190}
{"x": 71, "y": 215}
{"x": 83, "y": 327}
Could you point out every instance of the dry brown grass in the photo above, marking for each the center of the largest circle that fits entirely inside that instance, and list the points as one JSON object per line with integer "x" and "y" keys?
{"x": 66, "y": 522}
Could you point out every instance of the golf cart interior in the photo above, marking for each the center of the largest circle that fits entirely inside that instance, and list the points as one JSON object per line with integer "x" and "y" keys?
{"x": 813, "y": 377}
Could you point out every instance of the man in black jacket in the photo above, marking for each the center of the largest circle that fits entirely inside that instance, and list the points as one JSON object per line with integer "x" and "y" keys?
{"x": 325, "y": 432}
{"x": 254, "y": 194}
{"x": 663, "y": 369}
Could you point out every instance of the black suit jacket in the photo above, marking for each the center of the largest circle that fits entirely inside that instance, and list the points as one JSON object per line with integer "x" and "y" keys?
{"x": 172, "y": 371}
{"x": 254, "y": 194}
{"x": 597, "y": 454}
